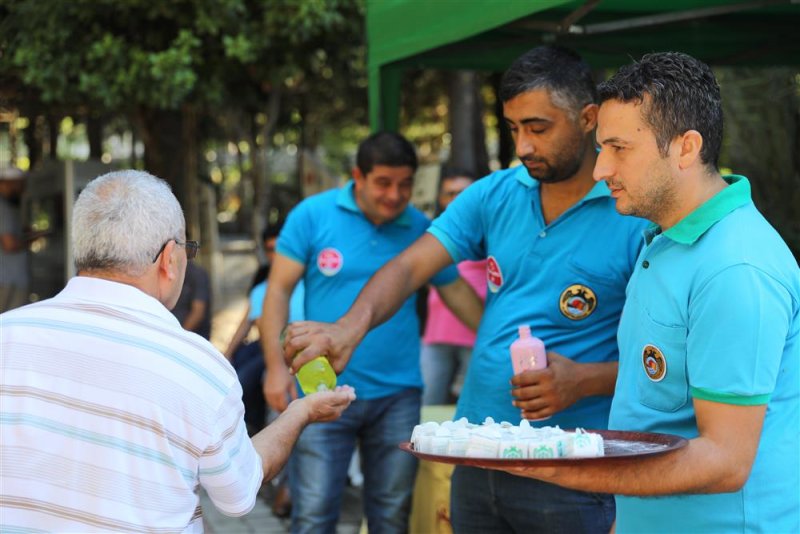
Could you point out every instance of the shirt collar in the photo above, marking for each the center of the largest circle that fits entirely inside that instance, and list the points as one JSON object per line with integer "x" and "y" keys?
{"x": 347, "y": 200}
{"x": 690, "y": 228}
{"x": 115, "y": 294}
{"x": 599, "y": 190}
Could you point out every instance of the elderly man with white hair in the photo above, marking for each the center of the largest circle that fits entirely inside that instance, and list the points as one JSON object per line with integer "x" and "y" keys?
{"x": 113, "y": 415}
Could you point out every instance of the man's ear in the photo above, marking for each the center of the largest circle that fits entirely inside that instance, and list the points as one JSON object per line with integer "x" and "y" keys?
{"x": 167, "y": 261}
{"x": 588, "y": 118}
{"x": 357, "y": 174}
{"x": 691, "y": 143}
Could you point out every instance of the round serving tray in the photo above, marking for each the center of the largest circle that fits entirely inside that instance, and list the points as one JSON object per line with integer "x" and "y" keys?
{"x": 618, "y": 445}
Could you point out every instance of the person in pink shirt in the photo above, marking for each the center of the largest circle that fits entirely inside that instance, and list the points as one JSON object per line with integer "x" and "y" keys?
{"x": 447, "y": 342}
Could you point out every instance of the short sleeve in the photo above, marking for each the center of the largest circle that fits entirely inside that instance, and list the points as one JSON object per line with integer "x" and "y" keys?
{"x": 231, "y": 470}
{"x": 460, "y": 228}
{"x": 295, "y": 238}
{"x": 738, "y": 325}
{"x": 256, "y": 301}
{"x": 446, "y": 276}
{"x": 297, "y": 303}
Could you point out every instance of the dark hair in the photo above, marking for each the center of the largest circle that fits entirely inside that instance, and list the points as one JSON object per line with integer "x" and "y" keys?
{"x": 385, "y": 148}
{"x": 272, "y": 230}
{"x": 451, "y": 171}
{"x": 560, "y": 71}
{"x": 682, "y": 95}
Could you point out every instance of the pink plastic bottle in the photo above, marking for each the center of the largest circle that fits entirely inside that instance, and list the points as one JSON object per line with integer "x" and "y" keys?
{"x": 527, "y": 352}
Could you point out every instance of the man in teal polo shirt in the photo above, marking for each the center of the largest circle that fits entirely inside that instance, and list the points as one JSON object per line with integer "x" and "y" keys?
{"x": 710, "y": 335}
{"x": 334, "y": 242}
{"x": 559, "y": 258}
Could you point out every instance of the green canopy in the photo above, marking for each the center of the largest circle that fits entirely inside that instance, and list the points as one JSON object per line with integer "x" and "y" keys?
{"x": 489, "y": 34}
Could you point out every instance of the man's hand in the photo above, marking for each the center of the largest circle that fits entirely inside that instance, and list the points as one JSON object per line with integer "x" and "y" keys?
{"x": 305, "y": 340}
{"x": 274, "y": 443}
{"x": 561, "y": 384}
{"x": 547, "y": 391}
{"x": 327, "y": 405}
{"x": 279, "y": 388}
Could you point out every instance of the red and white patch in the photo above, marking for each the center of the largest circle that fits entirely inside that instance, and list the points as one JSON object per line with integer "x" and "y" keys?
{"x": 494, "y": 276}
{"x": 329, "y": 261}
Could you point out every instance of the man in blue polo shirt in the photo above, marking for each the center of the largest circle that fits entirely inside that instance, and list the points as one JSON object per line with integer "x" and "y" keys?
{"x": 334, "y": 242}
{"x": 559, "y": 258}
{"x": 710, "y": 336}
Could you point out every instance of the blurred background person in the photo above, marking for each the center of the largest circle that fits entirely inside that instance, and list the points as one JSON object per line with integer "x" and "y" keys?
{"x": 335, "y": 242}
{"x": 244, "y": 349}
{"x": 447, "y": 343}
{"x": 244, "y": 353}
{"x": 13, "y": 244}
{"x": 193, "y": 308}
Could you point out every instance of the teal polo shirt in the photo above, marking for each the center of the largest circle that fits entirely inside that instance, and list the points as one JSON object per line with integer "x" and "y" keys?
{"x": 565, "y": 279}
{"x": 713, "y": 313}
{"x": 341, "y": 249}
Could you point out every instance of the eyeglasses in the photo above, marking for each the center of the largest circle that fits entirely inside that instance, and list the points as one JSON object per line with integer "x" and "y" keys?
{"x": 191, "y": 248}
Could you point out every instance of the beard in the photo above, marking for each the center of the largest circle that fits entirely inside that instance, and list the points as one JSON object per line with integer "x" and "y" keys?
{"x": 654, "y": 201}
{"x": 562, "y": 165}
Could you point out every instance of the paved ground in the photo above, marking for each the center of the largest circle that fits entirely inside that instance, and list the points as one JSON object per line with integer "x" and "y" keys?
{"x": 237, "y": 267}
{"x": 262, "y": 521}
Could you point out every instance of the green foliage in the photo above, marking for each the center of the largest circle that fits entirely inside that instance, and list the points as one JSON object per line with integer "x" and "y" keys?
{"x": 120, "y": 54}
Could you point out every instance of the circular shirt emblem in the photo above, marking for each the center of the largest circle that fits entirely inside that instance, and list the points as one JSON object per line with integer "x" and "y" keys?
{"x": 329, "y": 261}
{"x": 655, "y": 365}
{"x": 577, "y": 302}
{"x": 494, "y": 276}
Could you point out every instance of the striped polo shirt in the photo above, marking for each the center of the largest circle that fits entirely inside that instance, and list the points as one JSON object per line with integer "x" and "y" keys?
{"x": 111, "y": 415}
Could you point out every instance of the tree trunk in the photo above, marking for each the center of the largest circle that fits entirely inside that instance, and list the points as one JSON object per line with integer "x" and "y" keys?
{"x": 162, "y": 134}
{"x": 505, "y": 146}
{"x": 33, "y": 140}
{"x": 94, "y": 131}
{"x": 53, "y": 124}
{"x": 468, "y": 135}
{"x": 262, "y": 182}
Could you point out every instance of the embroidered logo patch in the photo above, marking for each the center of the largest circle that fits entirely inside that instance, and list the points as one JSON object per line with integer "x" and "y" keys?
{"x": 655, "y": 365}
{"x": 577, "y": 302}
{"x": 494, "y": 276}
{"x": 329, "y": 261}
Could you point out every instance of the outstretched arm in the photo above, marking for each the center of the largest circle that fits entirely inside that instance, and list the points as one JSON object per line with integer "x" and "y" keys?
{"x": 378, "y": 301}
{"x": 274, "y": 443}
{"x": 717, "y": 461}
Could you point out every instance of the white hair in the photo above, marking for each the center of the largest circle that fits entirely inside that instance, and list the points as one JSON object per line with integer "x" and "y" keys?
{"x": 120, "y": 221}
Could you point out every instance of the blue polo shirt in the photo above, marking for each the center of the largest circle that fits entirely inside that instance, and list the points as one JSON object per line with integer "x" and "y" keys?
{"x": 296, "y": 302}
{"x": 565, "y": 279}
{"x": 713, "y": 313}
{"x": 341, "y": 249}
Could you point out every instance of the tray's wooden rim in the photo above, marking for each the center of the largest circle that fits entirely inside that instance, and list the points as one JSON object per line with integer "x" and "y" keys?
{"x": 671, "y": 441}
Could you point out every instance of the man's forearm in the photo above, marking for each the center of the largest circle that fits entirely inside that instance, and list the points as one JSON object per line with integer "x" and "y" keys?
{"x": 463, "y": 301}
{"x": 272, "y": 321}
{"x": 380, "y": 298}
{"x": 717, "y": 461}
{"x": 388, "y": 288}
{"x": 274, "y": 443}
{"x": 598, "y": 378}
{"x": 694, "y": 469}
